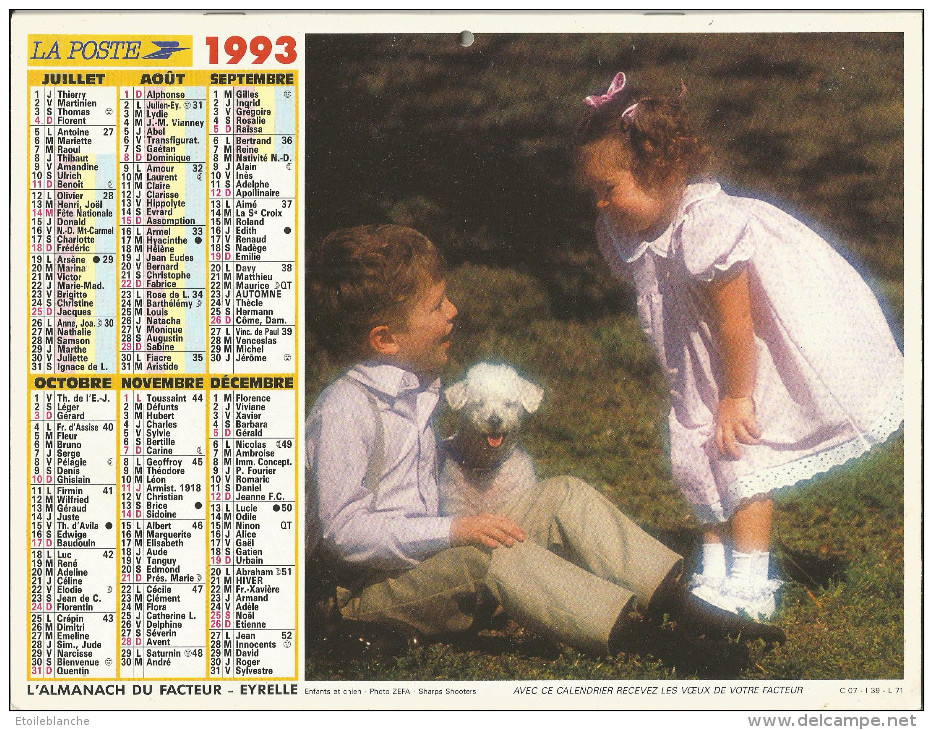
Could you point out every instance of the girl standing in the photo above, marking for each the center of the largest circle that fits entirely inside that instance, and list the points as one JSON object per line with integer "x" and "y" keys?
{"x": 778, "y": 358}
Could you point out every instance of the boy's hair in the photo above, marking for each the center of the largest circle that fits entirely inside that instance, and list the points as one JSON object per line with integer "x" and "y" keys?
{"x": 364, "y": 277}
{"x": 657, "y": 136}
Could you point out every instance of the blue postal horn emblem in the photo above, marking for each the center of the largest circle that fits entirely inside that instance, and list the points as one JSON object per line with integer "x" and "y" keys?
{"x": 166, "y": 49}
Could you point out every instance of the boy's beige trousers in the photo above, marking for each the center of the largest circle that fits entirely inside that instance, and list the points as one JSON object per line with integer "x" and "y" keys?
{"x": 582, "y": 564}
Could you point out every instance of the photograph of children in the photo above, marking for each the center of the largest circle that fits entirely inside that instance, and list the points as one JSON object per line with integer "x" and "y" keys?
{"x": 604, "y": 356}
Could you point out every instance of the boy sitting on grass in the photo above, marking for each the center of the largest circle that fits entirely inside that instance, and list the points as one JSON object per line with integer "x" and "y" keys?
{"x": 561, "y": 560}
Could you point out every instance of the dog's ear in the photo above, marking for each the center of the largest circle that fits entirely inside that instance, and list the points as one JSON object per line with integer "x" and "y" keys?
{"x": 529, "y": 395}
{"x": 456, "y": 395}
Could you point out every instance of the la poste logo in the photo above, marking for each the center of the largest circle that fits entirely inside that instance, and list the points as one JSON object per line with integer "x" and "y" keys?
{"x": 118, "y": 50}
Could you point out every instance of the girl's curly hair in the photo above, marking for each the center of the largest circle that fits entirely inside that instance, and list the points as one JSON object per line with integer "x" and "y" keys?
{"x": 657, "y": 135}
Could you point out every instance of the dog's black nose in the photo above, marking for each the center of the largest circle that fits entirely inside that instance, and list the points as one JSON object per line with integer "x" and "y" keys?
{"x": 495, "y": 422}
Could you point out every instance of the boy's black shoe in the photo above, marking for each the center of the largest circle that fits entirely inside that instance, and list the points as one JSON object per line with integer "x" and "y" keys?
{"x": 707, "y": 659}
{"x": 705, "y": 618}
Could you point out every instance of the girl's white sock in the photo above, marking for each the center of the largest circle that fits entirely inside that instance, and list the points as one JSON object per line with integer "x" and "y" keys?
{"x": 714, "y": 560}
{"x": 761, "y": 565}
{"x": 751, "y": 567}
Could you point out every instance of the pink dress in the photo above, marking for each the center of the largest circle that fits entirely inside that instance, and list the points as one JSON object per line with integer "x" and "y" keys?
{"x": 829, "y": 382}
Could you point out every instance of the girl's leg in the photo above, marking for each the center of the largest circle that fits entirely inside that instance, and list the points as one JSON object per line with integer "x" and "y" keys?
{"x": 751, "y": 526}
{"x": 751, "y": 536}
{"x": 746, "y": 589}
{"x": 748, "y": 579}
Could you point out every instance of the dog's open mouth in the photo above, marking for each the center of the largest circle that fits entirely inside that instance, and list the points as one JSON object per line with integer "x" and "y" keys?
{"x": 495, "y": 440}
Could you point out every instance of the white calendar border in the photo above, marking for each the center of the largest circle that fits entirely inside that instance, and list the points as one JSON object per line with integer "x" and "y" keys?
{"x": 818, "y": 695}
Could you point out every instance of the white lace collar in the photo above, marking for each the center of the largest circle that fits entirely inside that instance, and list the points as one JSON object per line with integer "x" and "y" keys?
{"x": 630, "y": 251}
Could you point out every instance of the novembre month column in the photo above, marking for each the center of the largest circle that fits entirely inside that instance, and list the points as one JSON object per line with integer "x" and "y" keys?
{"x": 163, "y": 506}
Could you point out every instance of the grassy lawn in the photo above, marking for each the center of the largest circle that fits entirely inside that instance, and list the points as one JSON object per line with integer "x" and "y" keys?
{"x": 469, "y": 146}
{"x": 840, "y": 536}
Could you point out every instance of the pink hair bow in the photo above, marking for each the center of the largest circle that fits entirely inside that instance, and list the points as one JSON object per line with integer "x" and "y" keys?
{"x": 617, "y": 85}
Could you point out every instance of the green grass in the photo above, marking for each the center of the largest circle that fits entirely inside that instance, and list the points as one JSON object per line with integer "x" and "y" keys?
{"x": 471, "y": 147}
{"x": 602, "y": 421}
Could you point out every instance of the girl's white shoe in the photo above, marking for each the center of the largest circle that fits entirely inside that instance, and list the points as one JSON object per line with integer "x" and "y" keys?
{"x": 755, "y": 600}
{"x": 713, "y": 591}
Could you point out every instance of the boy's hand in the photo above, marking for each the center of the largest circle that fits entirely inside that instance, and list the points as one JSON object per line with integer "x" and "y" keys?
{"x": 485, "y": 530}
{"x": 735, "y": 424}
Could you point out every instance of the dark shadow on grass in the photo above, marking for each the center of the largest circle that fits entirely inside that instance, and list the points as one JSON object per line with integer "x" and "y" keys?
{"x": 812, "y": 571}
{"x": 758, "y": 66}
{"x": 528, "y": 646}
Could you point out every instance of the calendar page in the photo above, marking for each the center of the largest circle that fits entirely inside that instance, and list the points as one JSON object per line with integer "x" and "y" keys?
{"x": 188, "y": 530}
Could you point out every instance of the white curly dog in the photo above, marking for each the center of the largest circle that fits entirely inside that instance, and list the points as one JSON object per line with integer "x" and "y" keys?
{"x": 484, "y": 466}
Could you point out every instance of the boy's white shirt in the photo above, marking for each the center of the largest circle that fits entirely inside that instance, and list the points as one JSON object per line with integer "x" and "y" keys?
{"x": 396, "y": 526}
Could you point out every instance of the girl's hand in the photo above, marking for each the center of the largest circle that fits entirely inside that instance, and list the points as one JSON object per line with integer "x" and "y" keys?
{"x": 735, "y": 424}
